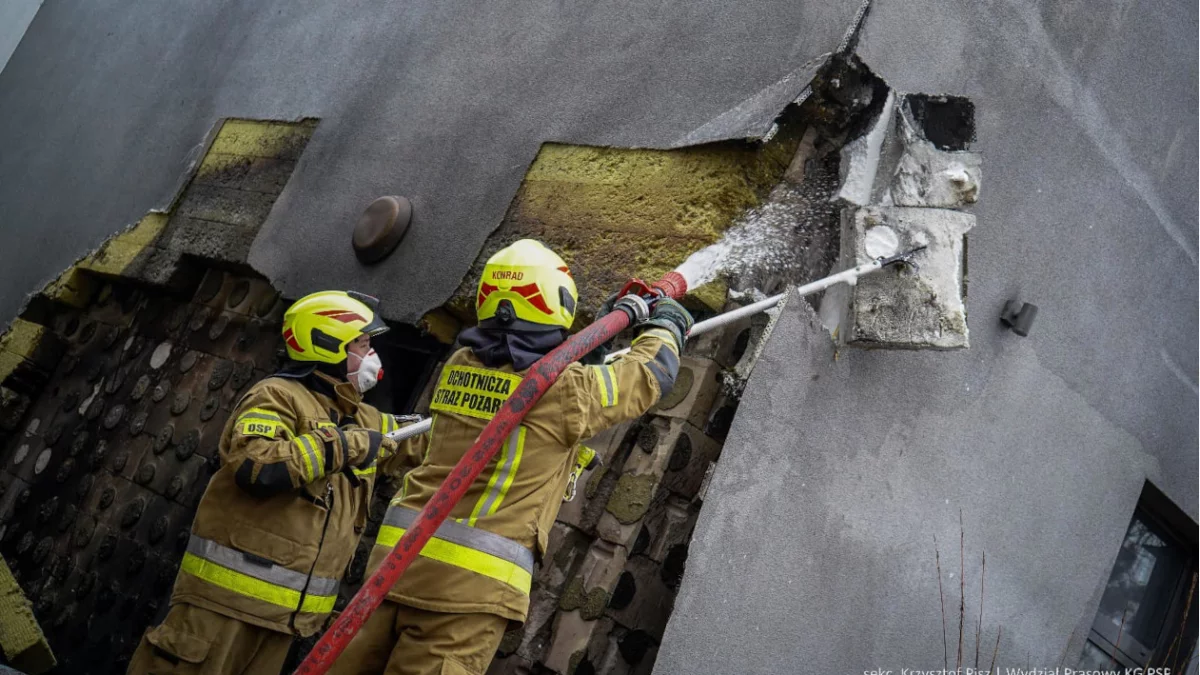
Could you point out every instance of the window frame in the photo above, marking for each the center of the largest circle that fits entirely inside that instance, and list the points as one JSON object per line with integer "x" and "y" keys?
{"x": 1169, "y": 522}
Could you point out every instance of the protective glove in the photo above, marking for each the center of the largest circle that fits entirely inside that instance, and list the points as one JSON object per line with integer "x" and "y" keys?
{"x": 668, "y": 314}
{"x": 373, "y": 444}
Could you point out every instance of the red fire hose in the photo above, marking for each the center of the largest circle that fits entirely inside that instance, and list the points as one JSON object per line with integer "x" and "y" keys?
{"x": 540, "y": 378}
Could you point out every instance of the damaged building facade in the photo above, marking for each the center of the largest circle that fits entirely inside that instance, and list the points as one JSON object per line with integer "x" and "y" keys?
{"x": 819, "y": 491}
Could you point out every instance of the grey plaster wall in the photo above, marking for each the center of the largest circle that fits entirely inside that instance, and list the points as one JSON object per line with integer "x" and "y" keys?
{"x": 15, "y": 17}
{"x": 1088, "y": 129}
{"x": 814, "y": 551}
{"x": 105, "y": 102}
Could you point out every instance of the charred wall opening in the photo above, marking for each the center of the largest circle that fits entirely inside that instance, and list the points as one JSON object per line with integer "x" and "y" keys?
{"x": 120, "y": 377}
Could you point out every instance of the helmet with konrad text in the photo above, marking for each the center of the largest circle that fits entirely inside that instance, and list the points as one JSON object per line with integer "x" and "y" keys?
{"x": 526, "y": 286}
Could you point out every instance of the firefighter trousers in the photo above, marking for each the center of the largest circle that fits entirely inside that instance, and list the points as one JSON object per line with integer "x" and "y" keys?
{"x": 195, "y": 641}
{"x": 403, "y": 640}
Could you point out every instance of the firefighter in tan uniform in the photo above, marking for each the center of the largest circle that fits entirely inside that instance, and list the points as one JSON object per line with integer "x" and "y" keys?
{"x": 447, "y": 613}
{"x": 282, "y": 516}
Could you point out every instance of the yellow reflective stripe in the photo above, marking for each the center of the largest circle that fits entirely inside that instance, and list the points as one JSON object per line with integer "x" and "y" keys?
{"x": 369, "y": 471}
{"x": 662, "y": 334}
{"x": 318, "y": 604}
{"x": 246, "y": 585}
{"x": 388, "y": 425}
{"x": 609, "y": 391}
{"x": 605, "y": 389}
{"x": 462, "y": 556}
{"x": 264, "y": 414}
{"x": 314, "y": 468}
{"x": 506, "y": 469}
{"x": 517, "y": 446}
{"x": 306, "y": 461}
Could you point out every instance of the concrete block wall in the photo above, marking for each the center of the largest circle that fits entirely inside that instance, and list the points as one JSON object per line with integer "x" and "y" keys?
{"x": 100, "y": 482}
{"x": 114, "y": 388}
{"x": 603, "y": 594}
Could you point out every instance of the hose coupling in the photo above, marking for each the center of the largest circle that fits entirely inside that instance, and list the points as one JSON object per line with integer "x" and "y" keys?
{"x": 634, "y": 306}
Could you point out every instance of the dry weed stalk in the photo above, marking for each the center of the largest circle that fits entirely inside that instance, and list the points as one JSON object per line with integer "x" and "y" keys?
{"x": 992, "y": 668}
{"x": 979, "y": 624}
{"x": 937, "y": 557}
{"x": 1063, "y": 657}
{"x": 962, "y": 588}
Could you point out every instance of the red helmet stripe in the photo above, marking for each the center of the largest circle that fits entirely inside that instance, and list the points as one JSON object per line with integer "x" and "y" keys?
{"x": 342, "y": 315}
{"x": 484, "y": 291}
{"x": 534, "y": 295}
{"x": 540, "y": 303}
{"x": 565, "y": 271}
{"x": 290, "y": 339}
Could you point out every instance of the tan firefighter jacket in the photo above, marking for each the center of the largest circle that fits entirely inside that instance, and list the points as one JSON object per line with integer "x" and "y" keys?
{"x": 481, "y": 559}
{"x": 280, "y": 520}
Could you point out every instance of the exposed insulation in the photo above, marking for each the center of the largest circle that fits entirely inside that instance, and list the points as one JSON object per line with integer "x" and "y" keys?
{"x": 24, "y": 645}
{"x": 616, "y": 213}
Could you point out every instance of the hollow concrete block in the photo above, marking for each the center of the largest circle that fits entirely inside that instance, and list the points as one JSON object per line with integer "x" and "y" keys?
{"x": 566, "y": 546}
{"x": 695, "y": 388}
{"x": 628, "y": 653}
{"x": 588, "y": 592}
{"x": 672, "y": 527}
{"x": 724, "y": 345}
{"x": 578, "y": 512}
{"x": 649, "y": 601}
{"x": 532, "y": 639}
{"x": 582, "y": 604}
{"x": 691, "y": 453}
{"x": 635, "y": 490}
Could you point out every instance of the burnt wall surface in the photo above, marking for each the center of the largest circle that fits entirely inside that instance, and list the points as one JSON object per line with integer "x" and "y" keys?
{"x": 99, "y": 483}
{"x": 815, "y": 546}
{"x": 445, "y": 103}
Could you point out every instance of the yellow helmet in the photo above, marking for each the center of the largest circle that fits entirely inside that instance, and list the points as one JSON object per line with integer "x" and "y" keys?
{"x": 318, "y": 327}
{"x": 526, "y": 286}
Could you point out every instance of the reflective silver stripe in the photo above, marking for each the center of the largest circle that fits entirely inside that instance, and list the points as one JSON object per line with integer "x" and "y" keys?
{"x": 502, "y": 476}
{"x": 260, "y": 416}
{"x": 463, "y": 535}
{"x": 231, "y": 558}
{"x": 317, "y": 464}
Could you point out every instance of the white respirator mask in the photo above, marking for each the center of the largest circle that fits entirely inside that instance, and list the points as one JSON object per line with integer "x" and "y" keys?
{"x": 367, "y": 373}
